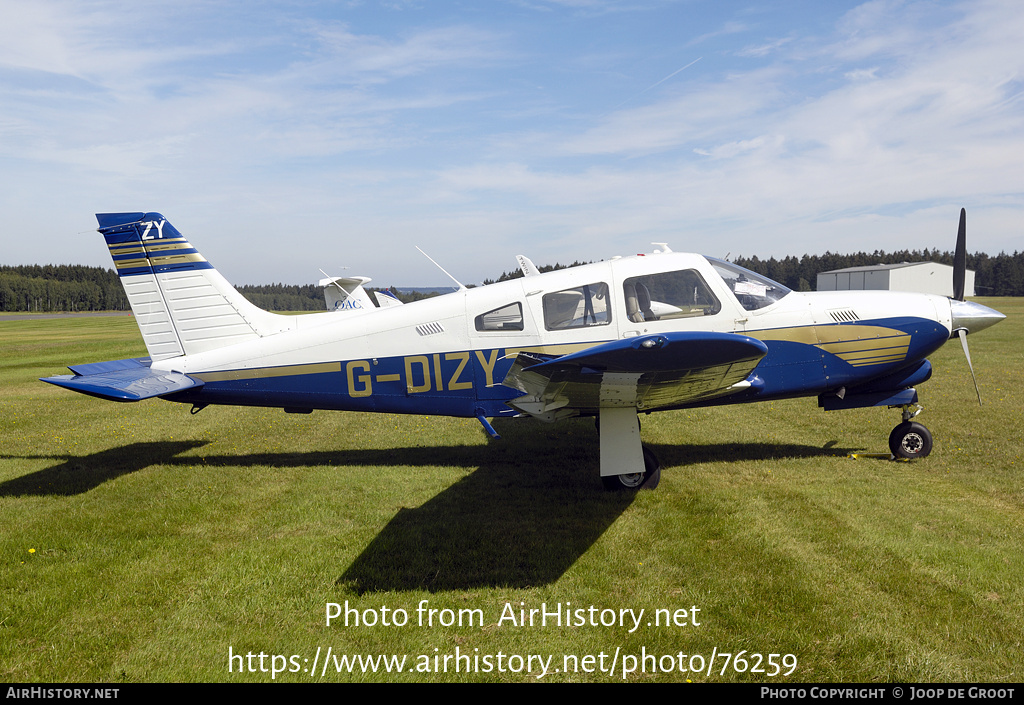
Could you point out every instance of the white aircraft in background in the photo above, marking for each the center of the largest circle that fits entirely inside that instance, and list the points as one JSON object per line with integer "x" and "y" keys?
{"x": 347, "y": 294}
{"x": 617, "y": 338}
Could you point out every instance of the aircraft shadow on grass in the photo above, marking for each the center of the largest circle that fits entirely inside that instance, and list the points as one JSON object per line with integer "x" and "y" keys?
{"x": 77, "y": 474}
{"x": 523, "y": 515}
{"x": 514, "y": 525}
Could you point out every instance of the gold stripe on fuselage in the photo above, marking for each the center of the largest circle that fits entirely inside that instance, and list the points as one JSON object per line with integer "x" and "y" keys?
{"x": 560, "y": 349}
{"x": 264, "y": 372}
{"x": 878, "y": 360}
{"x": 858, "y": 345}
{"x": 803, "y": 334}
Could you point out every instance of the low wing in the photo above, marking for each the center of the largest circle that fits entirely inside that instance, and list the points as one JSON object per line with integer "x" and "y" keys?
{"x": 124, "y": 380}
{"x": 648, "y": 372}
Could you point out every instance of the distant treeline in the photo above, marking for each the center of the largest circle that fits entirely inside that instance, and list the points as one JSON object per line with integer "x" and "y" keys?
{"x": 517, "y": 273}
{"x": 1002, "y": 275}
{"x": 79, "y": 288}
{"x": 309, "y": 297}
{"x": 285, "y": 297}
{"x": 72, "y": 287}
{"x": 63, "y": 287}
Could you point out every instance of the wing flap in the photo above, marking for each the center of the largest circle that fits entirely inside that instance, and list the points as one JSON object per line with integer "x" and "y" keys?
{"x": 647, "y": 372}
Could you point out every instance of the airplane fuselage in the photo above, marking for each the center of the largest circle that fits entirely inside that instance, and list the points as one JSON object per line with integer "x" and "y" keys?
{"x": 430, "y": 358}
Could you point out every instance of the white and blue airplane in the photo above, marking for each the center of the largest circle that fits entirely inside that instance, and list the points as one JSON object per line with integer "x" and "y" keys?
{"x": 629, "y": 335}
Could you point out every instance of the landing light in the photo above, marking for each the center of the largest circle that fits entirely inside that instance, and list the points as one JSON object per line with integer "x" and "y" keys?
{"x": 650, "y": 343}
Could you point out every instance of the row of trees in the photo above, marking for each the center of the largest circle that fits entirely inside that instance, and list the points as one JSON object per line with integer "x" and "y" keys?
{"x": 516, "y": 273}
{"x": 285, "y": 297}
{"x": 63, "y": 287}
{"x": 78, "y": 288}
{"x": 49, "y": 288}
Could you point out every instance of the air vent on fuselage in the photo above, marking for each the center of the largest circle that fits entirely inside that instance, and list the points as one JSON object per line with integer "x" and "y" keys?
{"x": 430, "y": 328}
{"x": 843, "y": 315}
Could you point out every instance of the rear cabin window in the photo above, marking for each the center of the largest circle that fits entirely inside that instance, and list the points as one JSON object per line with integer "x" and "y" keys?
{"x": 668, "y": 295}
{"x": 508, "y": 317}
{"x": 578, "y": 307}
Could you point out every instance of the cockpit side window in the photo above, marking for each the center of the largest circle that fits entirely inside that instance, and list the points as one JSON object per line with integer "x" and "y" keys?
{"x": 752, "y": 290}
{"x": 508, "y": 317}
{"x": 578, "y": 307}
{"x": 667, "y": 295}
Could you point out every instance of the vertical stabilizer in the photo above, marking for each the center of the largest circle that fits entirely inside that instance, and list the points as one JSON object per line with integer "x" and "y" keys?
{"x": 386, "y": 299}
{"x": 347, "y": 294}
{"x": 182, "y": 304}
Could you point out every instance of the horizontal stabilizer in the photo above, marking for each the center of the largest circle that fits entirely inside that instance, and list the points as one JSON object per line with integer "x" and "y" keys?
{"x": 124, "y": 380}
{"x": 93, "y": 368}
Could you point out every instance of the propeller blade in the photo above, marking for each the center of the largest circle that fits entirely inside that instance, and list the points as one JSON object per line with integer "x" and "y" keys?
{"x": 960, "y": 259}
{"x": 962, "y": 334}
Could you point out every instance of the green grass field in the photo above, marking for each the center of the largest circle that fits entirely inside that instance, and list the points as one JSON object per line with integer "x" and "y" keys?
{"x": 142, "y": 543}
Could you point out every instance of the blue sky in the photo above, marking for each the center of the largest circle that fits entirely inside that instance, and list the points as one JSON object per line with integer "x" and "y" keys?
{"x": 287, "y": 137}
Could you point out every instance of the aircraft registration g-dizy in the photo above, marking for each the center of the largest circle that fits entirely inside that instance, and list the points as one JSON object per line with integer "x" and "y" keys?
{"x": 629, "y": 335}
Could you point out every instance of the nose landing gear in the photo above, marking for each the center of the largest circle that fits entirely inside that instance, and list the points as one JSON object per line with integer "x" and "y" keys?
{"x": 910, "y": 439}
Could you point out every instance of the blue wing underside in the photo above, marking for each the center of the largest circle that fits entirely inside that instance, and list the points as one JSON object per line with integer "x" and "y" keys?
{"x": 648, "y": 372}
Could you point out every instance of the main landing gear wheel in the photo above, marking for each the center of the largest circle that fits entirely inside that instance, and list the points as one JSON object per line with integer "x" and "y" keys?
{"x": 647, "y": 480}
{"x": 910, "y": 440}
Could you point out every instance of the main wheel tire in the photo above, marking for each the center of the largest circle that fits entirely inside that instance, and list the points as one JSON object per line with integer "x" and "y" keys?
{"x": 637, "y": 480}
{"x": 629, "y": 481}
{"x": 910, "y": 440}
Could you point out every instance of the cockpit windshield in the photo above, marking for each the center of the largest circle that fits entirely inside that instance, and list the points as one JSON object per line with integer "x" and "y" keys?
{"x": 751, "y": 289}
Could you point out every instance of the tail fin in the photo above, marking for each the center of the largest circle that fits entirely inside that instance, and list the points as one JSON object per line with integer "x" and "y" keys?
{"x": 182, "y": 304}
{"x": 346, "y": 294}
{"x": 386, "y": 298}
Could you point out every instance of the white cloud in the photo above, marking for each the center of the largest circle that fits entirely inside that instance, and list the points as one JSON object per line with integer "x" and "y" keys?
{"x": 794, "y": 143}
{"x": 479, "y": 130}
{"x": 761, "y": 50}
{"x": 862, "y": 74}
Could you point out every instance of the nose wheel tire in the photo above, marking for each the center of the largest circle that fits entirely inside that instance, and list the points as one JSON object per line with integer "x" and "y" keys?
{"x": 910, "y": 440}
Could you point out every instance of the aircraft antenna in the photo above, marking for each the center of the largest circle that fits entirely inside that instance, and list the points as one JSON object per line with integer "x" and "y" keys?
{"x": 461, "y": 287}
{"x": 334, "y": 280}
